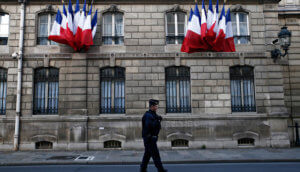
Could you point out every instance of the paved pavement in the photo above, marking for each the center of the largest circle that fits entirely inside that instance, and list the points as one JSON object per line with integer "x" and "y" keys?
{"x": 210, "y": 167}
{"x": 134, "y": 157}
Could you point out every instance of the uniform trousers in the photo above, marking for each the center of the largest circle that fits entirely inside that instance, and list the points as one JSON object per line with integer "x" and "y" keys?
{"x": 151, "y": 150}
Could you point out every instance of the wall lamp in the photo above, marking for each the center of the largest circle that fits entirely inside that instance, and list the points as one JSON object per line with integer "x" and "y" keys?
{"x": 284, "y": 38}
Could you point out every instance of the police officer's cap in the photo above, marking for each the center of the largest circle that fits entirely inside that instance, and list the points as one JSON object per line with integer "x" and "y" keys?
{"x": 153, "y": 102}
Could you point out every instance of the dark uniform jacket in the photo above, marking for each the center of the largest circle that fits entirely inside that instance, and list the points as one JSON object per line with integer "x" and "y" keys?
{"x": 151, "y": 125}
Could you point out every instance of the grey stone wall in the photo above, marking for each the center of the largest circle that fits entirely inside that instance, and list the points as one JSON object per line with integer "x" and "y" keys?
{"x": 144, "y": 55}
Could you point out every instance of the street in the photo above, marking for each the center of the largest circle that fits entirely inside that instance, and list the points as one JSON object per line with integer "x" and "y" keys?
{"x": 210, "y": 167}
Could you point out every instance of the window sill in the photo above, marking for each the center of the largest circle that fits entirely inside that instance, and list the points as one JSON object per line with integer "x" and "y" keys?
{"x": 43, "y": 115}
{"x": 112, "y": 115}
{"x": 246, "y": 114}
{"x": 112, "y": 48}
{"x": 178, "y": 114}
{"x": 173, "y": 48}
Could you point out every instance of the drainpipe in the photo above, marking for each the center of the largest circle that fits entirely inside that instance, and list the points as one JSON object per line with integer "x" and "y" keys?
{"x": 20, "y": 56}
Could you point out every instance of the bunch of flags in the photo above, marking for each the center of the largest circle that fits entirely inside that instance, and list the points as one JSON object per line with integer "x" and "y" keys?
{"x": 209, "y": 31}
{"x": 74, "y": 29}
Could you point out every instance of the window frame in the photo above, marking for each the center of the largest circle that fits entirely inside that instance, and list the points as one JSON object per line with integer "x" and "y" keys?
{"x": 6, "y": 13}
{"x": 176, "y": 26}
{"x": 237, "y": 21}
{"x": 113, "y": 35}
{"x": 4, "y": 100}
{"x": 241, "y": 79}
{"x": 46, "y": 91}
{"x": 112, "y": 90}
{"x": 177, "y": 79}
{"x": 49, "y": 16}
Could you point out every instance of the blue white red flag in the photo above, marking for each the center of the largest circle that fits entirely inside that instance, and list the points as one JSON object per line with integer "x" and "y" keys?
{"x": 94, "y": 24}
{"x": 55, "y": 34}
{"x": 203, "y": 21}
{"x": 81, "y": 22}
{"x": 221, "y": 34}
{"x": 229, "y": 40}
{"x": 87, "y": 37}
{"x": 76, "y": 16}
{"x": 212, "y": 23}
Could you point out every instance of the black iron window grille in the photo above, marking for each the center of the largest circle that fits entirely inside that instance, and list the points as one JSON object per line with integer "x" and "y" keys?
{"x": 112, "y": 144}
{"x": 175, "y": 27}
{"x": 3, "y": 90}
{"x": 46, "y": 90}
{"x": 178, "y": 90}
{"x": 112, "y": 82}
{"x": 43, "y": 145}
{"x": 242, "y": 89}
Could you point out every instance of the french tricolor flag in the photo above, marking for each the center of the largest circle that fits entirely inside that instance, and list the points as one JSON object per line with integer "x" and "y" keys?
{"x": 193, "y": 41}
{"x": 229, "y": 40}
{"x": 94, "y": 24}
{"x": 87, "y": 37}
{"x": 70, "y": 28}
{"x": 221, "y": 34}
{"x": 76, "y": 17}
{"x": 55, "y": 34}
{"x": 212, "y": 19}
{"x": 203, "y": 21}
{"x": 80, "y": 25}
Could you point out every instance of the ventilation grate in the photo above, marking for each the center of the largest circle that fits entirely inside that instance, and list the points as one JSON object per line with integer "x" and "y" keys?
{"x": 43, "y": 145}
{"x": 112, "y": 144}
{"x": 180, "y": 143}
{"x": 246, "y": 142}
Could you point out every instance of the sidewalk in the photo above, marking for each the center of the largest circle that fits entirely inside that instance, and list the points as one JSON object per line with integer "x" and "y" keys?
{"x": 134, "y": 157}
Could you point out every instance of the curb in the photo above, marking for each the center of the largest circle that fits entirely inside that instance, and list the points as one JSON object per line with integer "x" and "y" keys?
{"x": 137, "y": 163}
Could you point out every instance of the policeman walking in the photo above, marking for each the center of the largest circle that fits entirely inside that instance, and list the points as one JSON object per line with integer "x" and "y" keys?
{"x": 151, "y": 126}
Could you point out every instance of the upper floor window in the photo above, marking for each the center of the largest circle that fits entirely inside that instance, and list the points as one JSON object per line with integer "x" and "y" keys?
{"x": 4, "y": 28}
{"x": 240, "y": 27}
{"x": 3, "y": 88}
{"x": 113, "y": 28}
{"x": 178, "y": 89}
{"x": 242, "y": 89}
{"x": 112, "y": 82}
{"x": 46, "y": 84}
{"x": 45, "y": 21}
{"x": 175, "y": 27}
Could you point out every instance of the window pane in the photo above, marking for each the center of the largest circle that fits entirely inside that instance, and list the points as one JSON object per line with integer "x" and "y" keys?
{"x": 242, "y": 17}
{"x": 107, "y": 25}
{"x": 244, "y": 40}
{"x": 118, "y": 24}
{"x": 3, "y": 88}
{"x": 42, "y": 40}
{"x": 243, "y": 28}
{"x": 181, "y": 23}
{"x": 4, "y": 25}
{"x": 170, "y": 24}
{"x": 119, "y": 40}
{"x": 107, "y": 40}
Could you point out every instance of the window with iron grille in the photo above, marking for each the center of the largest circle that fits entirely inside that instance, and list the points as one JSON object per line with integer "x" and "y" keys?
{"x": 112, "y": 82}
{"x": 4, "y": 28}
{"x": 180, "y": 143}
{"x": 46, "y": 89}
{"x": 178, "y": 90}
{"x": 175, "y": 27}
{"x": 240, "y": 27}
{"x": 113, "y": 28}
{"x": 45, "y": 22}
{"x": 242, "y": 89}
{"x": 3, "y": 89}
{"x": 246, "y": 142}
{"x": 112, "y": 144}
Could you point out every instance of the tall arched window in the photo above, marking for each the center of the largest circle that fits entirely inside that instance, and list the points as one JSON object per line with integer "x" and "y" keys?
{"x": 242, "y": 89}
{"x": 3, "y": 90}
{"x": 112, "y": 82}
{"x": 46, "y": 91}
{"x": 45, "y": 22}
{"x": 175, "y": 25}
{"x": 178, "y": 89}
{"x": 113, "y": 27}
{"x": 4, "y": 28}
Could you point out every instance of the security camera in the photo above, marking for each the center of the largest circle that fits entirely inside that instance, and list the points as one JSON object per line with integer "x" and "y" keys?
{"x": 15, "y": 55}
{"x": 275, "y": 41}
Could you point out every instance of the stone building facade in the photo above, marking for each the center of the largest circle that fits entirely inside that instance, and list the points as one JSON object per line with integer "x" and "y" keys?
{"x": 145, "y": 56}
